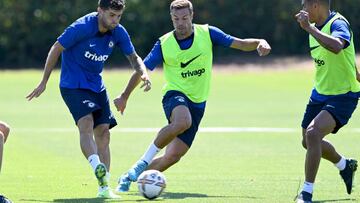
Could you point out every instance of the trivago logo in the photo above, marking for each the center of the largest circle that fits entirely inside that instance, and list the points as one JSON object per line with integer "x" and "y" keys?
{"x": 319, "y": 62}
{"x": 95, "y": 57}
{"x": 188, "y": 73}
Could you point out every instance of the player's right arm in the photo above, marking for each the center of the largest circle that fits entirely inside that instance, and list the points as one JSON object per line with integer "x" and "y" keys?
{"x": 51, "y": 60}
{"x": 357, "y": 74}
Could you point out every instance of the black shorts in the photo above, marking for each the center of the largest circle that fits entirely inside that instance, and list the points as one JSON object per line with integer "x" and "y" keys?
{"x": 82, "y": 102}
{"x": 340, "y": 107}
{"x": 173, "y": 99}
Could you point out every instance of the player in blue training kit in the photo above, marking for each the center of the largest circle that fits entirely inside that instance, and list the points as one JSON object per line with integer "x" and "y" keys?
{"x": 85, "y": 46}
{"x": 186, "y": 54}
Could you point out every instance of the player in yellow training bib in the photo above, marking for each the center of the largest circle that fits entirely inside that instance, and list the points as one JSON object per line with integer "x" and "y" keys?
{"x": 336, "y": 92}
{"x": 186, "y": 54}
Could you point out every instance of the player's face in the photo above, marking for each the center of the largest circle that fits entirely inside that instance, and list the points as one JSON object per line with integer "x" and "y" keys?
{"x": 182, "y": 21}
{"x": 110, "y": 18}
{"x": 311, "y": 8}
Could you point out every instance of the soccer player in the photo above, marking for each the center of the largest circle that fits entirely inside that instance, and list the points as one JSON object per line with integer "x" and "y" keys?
{"x": 186, "y": 54}
{"x": 85, "y": 46}
{"x": 336, "y": 92}
{"x": 4, "y": 133}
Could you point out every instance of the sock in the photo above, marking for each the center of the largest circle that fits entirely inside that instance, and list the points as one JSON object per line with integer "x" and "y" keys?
{"x": 94, "y": 160}
{"x": 308, "y": 187}
{"x": 341, "y": 164}
{"x": 150, "y": 153}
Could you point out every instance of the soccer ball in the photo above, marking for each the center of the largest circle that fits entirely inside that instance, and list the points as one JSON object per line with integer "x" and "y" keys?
{"x": 151, "y": 184}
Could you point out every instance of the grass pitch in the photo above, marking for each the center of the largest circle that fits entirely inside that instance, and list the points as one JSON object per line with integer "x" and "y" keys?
{"x": 43, "y": 162}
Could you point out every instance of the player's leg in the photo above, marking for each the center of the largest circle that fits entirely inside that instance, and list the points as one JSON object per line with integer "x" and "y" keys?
{"x": 102, "y": 140}
{"x": 178, "y": 114}
{"x": 328, "y": 151}
{"x": 82, "y": 105}
{"x": 4, "y": 132}
{"x": 173, "y": 153}
{"x": 320, "y": 126}
{"x": 103, "y": 121}
{"x": 87, "y": 143}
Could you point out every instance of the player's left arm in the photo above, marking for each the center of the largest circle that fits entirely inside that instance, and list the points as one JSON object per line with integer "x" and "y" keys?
{"x": 218, "y": 37}
{"x": 357, "y": 74}
{"x": 331, "y": 43}
{"x": 261, "y": 45}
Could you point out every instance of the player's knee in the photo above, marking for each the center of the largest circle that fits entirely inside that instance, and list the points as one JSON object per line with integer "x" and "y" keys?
{"x": 180, "y": 126}
{"x": 312, "y": 135}
{"x": 172, "y": 158}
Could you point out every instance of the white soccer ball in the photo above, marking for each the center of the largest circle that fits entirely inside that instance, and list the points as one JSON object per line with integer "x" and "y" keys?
{"x": 151, "y": 184}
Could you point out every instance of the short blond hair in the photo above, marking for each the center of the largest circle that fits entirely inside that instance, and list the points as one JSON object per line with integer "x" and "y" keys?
{"x": 180, "y": 4}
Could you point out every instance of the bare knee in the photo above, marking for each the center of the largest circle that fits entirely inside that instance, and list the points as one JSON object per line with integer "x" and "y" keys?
{"x": 85, "y": 125}
{"x": 172, "y": 158}
{"x": 5, "y": 130}
{"x": 312, "y": 135}
{"x": 181, "y": 126}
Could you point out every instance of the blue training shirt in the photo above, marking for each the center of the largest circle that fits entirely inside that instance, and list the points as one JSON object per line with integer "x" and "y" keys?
{"x": 86, "y": 50}
{"x": 218, "y": 37}
{"x": 339, "y": 29}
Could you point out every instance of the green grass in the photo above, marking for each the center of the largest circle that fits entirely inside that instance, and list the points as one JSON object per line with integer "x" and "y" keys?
{"x": 41, "y": 165}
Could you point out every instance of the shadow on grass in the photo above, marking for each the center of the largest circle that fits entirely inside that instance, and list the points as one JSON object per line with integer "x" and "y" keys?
{"x": 172, "y": 195}
{"x": 164, "y": 197}
{"x": 75, "y": 200}
{"x": 184, "y": 195}
{"x": 336, "y": 200}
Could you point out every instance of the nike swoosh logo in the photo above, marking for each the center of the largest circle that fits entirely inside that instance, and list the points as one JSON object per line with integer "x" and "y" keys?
{"x": 92, "y": 45}
{"x": 183, "y": 65}
{"x": 312, "y": 48}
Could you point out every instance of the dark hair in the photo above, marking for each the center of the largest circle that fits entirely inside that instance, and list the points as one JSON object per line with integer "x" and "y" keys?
{"x": 113, "y": 4}
{"x": 325, "y": 2}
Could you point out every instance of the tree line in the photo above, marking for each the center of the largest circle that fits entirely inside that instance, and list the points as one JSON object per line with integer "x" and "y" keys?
{"x": 28, "y": 28}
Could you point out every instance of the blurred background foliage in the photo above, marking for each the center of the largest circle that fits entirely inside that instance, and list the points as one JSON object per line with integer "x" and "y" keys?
{"x": 28, "y": 28}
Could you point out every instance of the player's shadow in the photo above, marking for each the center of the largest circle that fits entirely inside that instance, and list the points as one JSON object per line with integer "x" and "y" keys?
{"x": 172, "y": 195}
{"x": 85, "y": 200}
{"x": 184, "y": 195}
{"x": 336, "y": 200}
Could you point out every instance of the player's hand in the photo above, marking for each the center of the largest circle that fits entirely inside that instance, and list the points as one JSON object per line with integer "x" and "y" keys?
{"x": 37, "y": 91}
{"x": 263, "y": 48}
{"x": 146, "y": 82}
{"x": 120, "y": 103}
{"x": 303, "y": 19}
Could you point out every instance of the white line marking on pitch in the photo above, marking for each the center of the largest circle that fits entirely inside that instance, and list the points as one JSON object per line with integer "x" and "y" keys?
{"x": 204, "y": 129}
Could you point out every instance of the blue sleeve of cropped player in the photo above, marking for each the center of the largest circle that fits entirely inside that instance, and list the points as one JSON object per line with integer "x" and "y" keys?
{"x": 340, "y": 29}
{"x": 218, "y": 37}
{"x": 124, "y": 41}
{"x": 155, "y": 57}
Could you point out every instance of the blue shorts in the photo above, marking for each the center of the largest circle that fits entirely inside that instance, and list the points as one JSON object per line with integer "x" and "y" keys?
{"x": 82, "y": 102}
{"x": 340, "y": 107}
{"x": 173, "y": 99}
